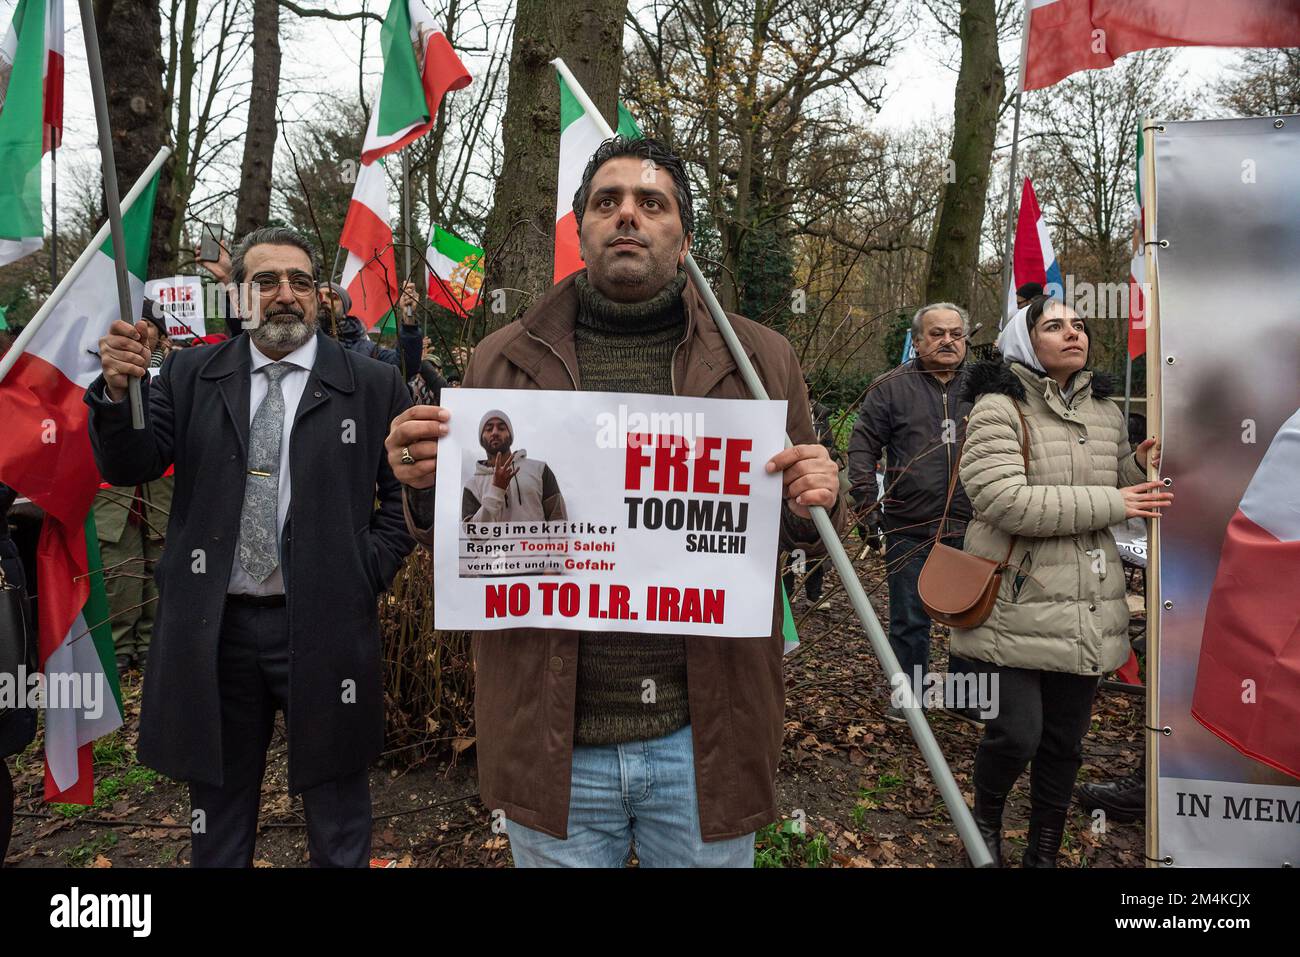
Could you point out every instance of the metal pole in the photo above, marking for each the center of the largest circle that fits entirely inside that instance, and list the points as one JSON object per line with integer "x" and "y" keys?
{"x": 54, "y": 217}
{"x": 1011, "y": 175}
{"x": 1009, "y": 233}
{"x": 78, "y": 267}
{"x": 406, "y": 221}
{"x": 1128, "y": 381}
{"x": 110, "y": 191}
{"x": 920, "y": 728}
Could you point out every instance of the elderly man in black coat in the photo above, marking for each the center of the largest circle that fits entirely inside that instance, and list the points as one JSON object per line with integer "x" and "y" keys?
{"x": 285, "y": 526}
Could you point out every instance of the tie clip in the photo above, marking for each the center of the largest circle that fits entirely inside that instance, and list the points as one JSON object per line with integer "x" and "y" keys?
{"x": 260, "y": 474}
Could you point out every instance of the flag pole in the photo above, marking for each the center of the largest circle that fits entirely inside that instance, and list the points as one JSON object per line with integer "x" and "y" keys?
{"x": 1128, "y": 381}
{"x": 111, "y": 200}
{"x": 1011, "y": 175}
{"x": 1155, "y": 429}
{"x": 84, "y": 260}
{"x": 54, "y": 217}
{"x": 953, "y": 801}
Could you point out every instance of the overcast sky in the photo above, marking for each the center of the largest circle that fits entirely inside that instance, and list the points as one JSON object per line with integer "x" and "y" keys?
{"x": 320, "y": 57}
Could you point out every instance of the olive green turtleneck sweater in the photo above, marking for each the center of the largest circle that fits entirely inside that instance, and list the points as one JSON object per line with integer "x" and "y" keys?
{"x": 628, "y": 347}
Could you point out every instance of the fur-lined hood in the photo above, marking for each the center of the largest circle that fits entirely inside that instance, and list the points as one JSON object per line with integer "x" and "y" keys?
{"x": 995, "y": 375}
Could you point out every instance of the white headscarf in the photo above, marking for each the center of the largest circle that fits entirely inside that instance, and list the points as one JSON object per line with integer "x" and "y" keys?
{"x": 1014, "y": 342}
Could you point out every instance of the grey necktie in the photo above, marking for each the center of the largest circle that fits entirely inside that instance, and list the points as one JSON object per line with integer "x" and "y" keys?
{"x": 259, "y": 546}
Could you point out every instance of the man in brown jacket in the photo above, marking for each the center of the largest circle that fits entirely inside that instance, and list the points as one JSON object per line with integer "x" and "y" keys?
{"x": 569, "y": 750}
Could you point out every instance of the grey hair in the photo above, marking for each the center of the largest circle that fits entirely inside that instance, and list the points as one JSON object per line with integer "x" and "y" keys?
{"x": 272, "y": 236}
{"x": 934, "y": 307}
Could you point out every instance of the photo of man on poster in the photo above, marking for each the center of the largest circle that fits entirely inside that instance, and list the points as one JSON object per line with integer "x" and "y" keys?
{"x": 507, "y": 486}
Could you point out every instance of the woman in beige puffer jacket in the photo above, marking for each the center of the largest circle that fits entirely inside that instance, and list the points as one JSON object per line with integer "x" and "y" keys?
{"x": 1060, "y": 620}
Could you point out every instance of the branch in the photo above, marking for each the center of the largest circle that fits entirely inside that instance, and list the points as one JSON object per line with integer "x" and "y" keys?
{"x": 328, "y": 14}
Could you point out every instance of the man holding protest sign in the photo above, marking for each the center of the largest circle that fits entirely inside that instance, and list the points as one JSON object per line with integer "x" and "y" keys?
{"x": 569, "y": 752}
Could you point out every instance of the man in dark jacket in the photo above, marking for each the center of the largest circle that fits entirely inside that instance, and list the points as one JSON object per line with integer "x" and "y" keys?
{"x": 351, "y": 331}
{"x": 572, "y": 755}
{"x": 276, "y": 553}
{"x": 913, "y": 414}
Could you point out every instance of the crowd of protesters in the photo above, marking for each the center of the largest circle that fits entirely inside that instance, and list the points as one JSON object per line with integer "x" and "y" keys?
{"x": 1037, "y": 459}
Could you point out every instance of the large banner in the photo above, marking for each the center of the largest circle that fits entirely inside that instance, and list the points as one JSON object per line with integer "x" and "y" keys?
{"x": 603, "y": 511}
{"x": 1228, "y": 224}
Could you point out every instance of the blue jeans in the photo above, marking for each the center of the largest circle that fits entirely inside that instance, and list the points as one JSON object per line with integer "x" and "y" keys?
{"x": 909, "y": 625}
{"x": 642, "y": 793}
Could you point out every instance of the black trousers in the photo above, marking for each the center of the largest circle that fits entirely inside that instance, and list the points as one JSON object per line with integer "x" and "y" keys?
{"x": 254, "y": 680}
{"x": 1042, "y": 718}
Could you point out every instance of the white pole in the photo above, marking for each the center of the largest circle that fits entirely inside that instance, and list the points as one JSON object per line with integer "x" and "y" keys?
{"x": 82, "y": 262}
{"x": 920, "y": 728}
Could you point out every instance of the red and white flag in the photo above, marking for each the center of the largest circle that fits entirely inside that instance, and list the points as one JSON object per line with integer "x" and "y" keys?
{"x": 370, "y": 272}
{"x": 46, "y": 456}
{"x": 1066, "y": 36}
{"x": 1248, "y": 680}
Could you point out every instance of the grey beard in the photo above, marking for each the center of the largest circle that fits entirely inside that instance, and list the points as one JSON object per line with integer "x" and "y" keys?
{"x": 283, "y": 334}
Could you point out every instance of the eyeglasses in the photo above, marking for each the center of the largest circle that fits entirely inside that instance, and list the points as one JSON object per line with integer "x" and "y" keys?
{"x": 268, "y": 283}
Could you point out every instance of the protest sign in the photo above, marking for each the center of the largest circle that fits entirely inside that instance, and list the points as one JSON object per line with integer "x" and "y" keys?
{"x": 607, "y": 511}
{"x": 1226, "y": 691}
{"x": 180, "y": 302}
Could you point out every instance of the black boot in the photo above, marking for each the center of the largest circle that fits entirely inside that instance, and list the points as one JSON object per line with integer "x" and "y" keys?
{"x": 1124, "y": 800}
{"x": 1046, "y": 829}
{"x": 988, "y": 818}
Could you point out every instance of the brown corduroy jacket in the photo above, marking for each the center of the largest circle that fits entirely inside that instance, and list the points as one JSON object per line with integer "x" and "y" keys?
{"x": 526, "y": 678}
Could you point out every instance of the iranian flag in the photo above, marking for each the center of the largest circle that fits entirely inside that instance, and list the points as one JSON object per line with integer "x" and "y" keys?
{"x": 1137, "y": 273}
{"x": 31, "y": 119}
{"x": 46, "y": 456}
{"x": 1033, "y": 259}
{"x": 420, "y": 68}
{"x": 454, "y": 269}
{"x": 579, "y": 137}
{"x": 1065, "y": 36}
{"x": 370, "y": 271}
{"x": 1248, "y": 679}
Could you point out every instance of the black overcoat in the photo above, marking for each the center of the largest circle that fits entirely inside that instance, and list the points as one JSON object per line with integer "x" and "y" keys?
{"x": 343, "y": 542}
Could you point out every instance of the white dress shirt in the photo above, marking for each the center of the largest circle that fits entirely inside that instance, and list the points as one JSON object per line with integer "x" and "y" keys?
{"x": 291, "y": 385}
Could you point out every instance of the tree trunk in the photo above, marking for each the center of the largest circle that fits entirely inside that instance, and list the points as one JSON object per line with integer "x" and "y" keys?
{"x": 980, "y": 88}
{"x": 130, "y": 38}
{"x": 520, "y": 235}
{"x": 259, "y": 143}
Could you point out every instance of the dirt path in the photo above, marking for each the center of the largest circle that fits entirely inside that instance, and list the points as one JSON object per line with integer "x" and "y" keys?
{"x": 853, "y": 790}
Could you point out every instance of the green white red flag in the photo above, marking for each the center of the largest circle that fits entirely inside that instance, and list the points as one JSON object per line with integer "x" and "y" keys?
{"x": 31, "y": 119}
{"x": 454, "y": 270}
{"x": 46, "y": 456}
{"x": 579, "y": 137}
{"x": 420, "y": 68}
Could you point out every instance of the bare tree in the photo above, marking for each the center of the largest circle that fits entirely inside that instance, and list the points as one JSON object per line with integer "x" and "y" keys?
{"x": 1262, "y": 83}
{"x": 259, "y": 142}
{"x": 981, "y": 88}
{"x": 742, "y": 89}
{"x": 521, "y": 228}
{"x": 206, "y": 86}
{"x": 1082, "y": 159}
{"x": 131, "y": 43}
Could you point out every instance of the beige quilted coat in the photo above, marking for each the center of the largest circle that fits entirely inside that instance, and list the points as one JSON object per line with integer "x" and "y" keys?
{"x": 1061, "y": 606}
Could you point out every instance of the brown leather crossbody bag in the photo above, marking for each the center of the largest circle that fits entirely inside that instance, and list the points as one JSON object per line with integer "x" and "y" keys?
{"x": 957, "y": 588}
